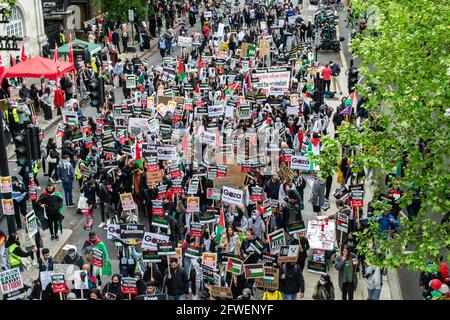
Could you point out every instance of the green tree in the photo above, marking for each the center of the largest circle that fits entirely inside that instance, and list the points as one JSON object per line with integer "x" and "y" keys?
{"x": 405, "y": 54}
{"x": 117, "y": 10}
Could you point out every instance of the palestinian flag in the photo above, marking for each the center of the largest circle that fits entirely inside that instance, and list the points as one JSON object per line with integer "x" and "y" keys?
{"x": 234, "y": 266}
{"x": 254, "y": 271}
{"x": 220, "y": 226}
{"x": 180, "y": 70}
{"x": 269, "y": 278}
{"x": 257, "y": 245}
{"x": 276, "y": 236}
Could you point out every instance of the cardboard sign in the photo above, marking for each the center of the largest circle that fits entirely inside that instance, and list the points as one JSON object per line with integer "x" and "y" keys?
{"x": 193, "y": 204}
{"x": 342, "y": 222}
{"x": 178, "y": 254}
{"x": 288, "y": 254}
{"x": 31, "y": 221}
{"x": 301, "y": 163}
{"x": 276, "y": 240}
{"x": 81, "y": 279}
{"x": 59, "y": 283}
{"x": 221, "y": 292}
{"x": 254, "y": 271}
{"x": 270, "y": 279}
{"x": 232, "y": 196}
{"x": 151, "y": 256}
{"x": 11, "y": 280}
{"x": 234, "y": 265}
{"x": 196, "y": 230}
{"x": 357, "y": 193}
{"x": 132, "y": 232}
{"x": 70, "y": 117}
{"x": 209, "y": 259}
{"x": 153, "y": 177}
{"x": 127, "y": 201}
{"x": 129, "y": 286}
{"x": 5, "y": 185}
{"x": 296, "y": 227}
{"x": 151, "y": 240}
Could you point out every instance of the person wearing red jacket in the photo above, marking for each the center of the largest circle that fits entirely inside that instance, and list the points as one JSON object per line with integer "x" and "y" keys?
{"x": 326, "y": 75}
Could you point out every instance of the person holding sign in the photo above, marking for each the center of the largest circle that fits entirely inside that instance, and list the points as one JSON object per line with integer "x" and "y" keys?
{"x": 16, "y": 253}
{"x": 176, "y": 281}
{"x": 51, "y": 202}
{"x": 291, "y": 281}
{"x": 95, "y": 242}
{"x": 113, "y": 289}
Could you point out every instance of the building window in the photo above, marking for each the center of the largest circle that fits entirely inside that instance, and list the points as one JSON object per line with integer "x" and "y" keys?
{"x": 15, "y": 25}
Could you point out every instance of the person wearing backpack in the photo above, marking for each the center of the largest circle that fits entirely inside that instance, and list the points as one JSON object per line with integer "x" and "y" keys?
{"x": 291, "y": 281}
{"x": 162, "y": 46}
{"x": 272, "y": 294}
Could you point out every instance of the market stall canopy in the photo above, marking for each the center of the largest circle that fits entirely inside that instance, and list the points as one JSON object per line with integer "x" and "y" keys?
{"x": 92, "y": 47}
{"x": 38, "y": 67}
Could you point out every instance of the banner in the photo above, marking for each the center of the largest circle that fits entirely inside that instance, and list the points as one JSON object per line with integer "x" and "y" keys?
{"x": 273, "y": 82}
{"x": 151, "y": 240}
{"x": 11, "y": 280}
{"x": 232, "y": 196}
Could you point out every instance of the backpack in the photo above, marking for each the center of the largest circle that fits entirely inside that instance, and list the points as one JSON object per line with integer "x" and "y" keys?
{"x": 162, "y": 44}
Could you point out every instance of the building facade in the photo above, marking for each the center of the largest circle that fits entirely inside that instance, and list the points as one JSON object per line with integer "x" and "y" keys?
{"x": 26, "y": 21}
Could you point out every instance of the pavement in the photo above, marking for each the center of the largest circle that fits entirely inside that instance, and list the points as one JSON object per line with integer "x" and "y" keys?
{"x": 75, "y": 234}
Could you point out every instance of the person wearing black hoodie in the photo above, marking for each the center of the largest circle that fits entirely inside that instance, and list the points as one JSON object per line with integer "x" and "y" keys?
{"x": 113, "y": 287}
{"x": 153, "y": 275}
{"x": 73, "y": 257}
{"x": 176, "y": 281}
{"x": 291, "y": 281}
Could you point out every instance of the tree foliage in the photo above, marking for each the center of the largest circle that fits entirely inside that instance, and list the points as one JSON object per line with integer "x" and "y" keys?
{"x": 405, "y": 54}
{"x": 117, "y": 10}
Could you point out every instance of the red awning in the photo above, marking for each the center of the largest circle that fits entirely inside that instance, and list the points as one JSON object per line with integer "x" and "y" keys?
{"x": 38, "y": 67}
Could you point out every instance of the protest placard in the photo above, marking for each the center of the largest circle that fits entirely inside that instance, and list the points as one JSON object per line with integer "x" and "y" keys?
{"x": 151, "y": 240}
{"x": 276, "y": 240}
{"x": 254, "y": 271}
{"x": 196, "y": 230}
{"x": 193, "y": 204}
{"x": 232, "y": 196}
{"x": 288, "y": 254}
{"x": 221, "y": 292}
{"x": 97, "y": 257}
{"x": 8, "y": 207}
{"x": 81, "y": 279}
{"x": 5, "y": 185}
{"x": 296, "y": 227}
{"x": 32, "y": 224}
{"x": 129, "y": 286}
{"x": 270, "y": 279}
{"x": 131, "y": 232}
{"x": 210, "y": 259}
{"x": 59, "y": 283}
{"x": 342, "y": 222}
{"x": 166, "y": 248}
{"x": 234, "y": 266}
{"x": 11, "y": 280}
{"x": 127, "y": 201}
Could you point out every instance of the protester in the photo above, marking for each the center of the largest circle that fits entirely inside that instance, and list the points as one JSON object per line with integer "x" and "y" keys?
{"x": 324, "y": 289}
{"x": 347, "y": 269}
{"x": 176, "y": 281}
{"x": 52, "y": 204}
{"x": 16, "y": 253}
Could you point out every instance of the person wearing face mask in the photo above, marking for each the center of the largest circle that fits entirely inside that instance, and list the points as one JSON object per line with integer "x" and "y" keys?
{"x": 73, "y": 257}
{"x": 15, "y": 252}
{"x": 113, "y": 288}
{"x": 324, "y": 289}
{"x": 257, "y": 224}
{"x": 52, "y": 203}
{"x": 247, "y": 294}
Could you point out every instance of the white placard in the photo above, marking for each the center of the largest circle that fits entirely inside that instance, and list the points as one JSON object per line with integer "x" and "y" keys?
{"x": 300, "y": 163}
{"x": 167, "y": 153}
{"x": 232, "y": 196}
{"x": 151, "y": 240}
